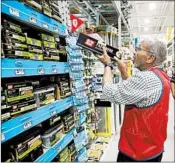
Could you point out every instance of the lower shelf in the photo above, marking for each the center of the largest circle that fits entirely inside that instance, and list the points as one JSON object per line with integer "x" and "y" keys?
{"x": 51, "y": 153}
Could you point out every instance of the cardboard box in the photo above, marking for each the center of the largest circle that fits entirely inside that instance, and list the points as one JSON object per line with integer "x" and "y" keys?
{"x": 95, "y": 46}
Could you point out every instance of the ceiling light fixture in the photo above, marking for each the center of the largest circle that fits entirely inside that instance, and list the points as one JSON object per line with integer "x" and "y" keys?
{"x": 146, "y": 21}
{"x": 146, "y": 29}
{"x": 152, "y": 6}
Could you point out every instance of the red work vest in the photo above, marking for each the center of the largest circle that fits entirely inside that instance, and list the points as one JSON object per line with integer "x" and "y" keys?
{"x": 144, "y": 130}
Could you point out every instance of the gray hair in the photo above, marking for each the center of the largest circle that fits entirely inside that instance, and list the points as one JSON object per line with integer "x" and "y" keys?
{"x": 158, "y": 49}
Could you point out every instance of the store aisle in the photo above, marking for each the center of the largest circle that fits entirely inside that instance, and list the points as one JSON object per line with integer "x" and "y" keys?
{"x": 112, "y": 150}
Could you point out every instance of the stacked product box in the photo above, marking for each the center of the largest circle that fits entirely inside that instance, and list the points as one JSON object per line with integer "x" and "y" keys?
{"x": 49, "y": 45}
{"x": 18, "y": 98}
{"x": 68, "y": 121}
{"x": 14, "y": 41}
{"x": 27, "y": 145}
{"x": 35, "y": 4}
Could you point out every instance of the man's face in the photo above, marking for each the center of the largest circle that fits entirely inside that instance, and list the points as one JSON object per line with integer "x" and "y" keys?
{"x": 142, "y": 58}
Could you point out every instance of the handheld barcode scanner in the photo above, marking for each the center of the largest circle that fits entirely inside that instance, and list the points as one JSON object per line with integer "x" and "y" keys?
{"x": 96, "y": 46}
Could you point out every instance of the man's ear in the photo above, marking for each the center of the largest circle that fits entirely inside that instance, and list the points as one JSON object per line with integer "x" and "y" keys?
{"x": 150, "y": 59}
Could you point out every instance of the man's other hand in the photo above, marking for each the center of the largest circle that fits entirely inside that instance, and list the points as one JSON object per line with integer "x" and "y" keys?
{"x": 104, "y": 58}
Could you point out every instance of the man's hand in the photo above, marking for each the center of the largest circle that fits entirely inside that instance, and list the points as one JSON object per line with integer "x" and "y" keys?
{"x": 104, "y": 58}
{"x": 122, "y": 68}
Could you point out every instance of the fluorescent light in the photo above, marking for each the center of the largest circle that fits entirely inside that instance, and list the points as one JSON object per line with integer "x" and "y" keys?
{"x": 146, "y": 21}
{"x": 152, "y": 6}
{"x": 146, "y": 29}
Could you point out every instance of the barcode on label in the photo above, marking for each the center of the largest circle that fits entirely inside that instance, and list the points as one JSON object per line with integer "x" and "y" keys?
{"x": 54, "y": 70}
{"x": 27, "y": 125}
{"x": 19, "y": 71}
{"x": 33, "y": 20}
{"x": 55, "y": 29}
{"x": 18, "y": 53}
{"x": 14, "y": 12}
{"x": 41, "y": 71}
{"x": 53, "y": 112}
{"x": 45, "y": 25}
{"x": 2, "y": 137}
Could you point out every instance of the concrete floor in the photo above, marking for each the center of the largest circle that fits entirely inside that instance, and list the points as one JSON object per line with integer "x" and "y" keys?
{"x": 111, "y": 151}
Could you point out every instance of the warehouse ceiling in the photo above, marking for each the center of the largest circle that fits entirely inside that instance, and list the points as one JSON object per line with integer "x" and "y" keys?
{"x": 142, "y": 17}
{"x": 151, "y": 17}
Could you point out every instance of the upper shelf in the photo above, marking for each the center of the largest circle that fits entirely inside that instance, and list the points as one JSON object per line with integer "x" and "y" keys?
{"x": 32, "y": 17}
{"x": 22, "y": 67}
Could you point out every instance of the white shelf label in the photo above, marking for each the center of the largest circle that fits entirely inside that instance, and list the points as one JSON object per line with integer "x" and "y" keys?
{"x": 2, "y": 137}
{"x": 19, "y": 71}
{"x": 41, "y": 71}
{"x": 33, "y": 20}
{"x": 27, "y": 125}
{"x": 55, "y": 29}
{"x": 54, "y": 70}
{"x": 45, "y": 25}
{"x": 14, "y": 12}
{"x": 53, "y": 112}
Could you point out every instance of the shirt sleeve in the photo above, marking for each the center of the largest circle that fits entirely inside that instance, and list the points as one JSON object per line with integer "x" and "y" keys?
{"x": 136, "y": 90}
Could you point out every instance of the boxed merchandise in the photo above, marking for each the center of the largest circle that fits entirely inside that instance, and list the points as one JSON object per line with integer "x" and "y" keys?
{"x": 25, "y": 143}
{"x": 55, "y": 11}
{"x": 10, "y": 37}
{"x": 12, "y": 27}
{"x": 51, "y": 54}
{"x": 46, "y": 8}
{"x": 47, "y": 44}
{"x": 34, "y": 4}
{"x": 34, "y": 42}
{"x": 34, "y": 49}
{"x": 45, "y": 95}
{"x": 15, "y": 46}
{"x": 68, "y": 121}
{"x": 46, "y": 37}
{"x": 18, "y": 91}
{"x": 94, "y": 45}
{"x": 53, "y": 135}
{"x": 5, "y": 115}
{"x": 35, "y": 56}
{"x": 22, "y": 106}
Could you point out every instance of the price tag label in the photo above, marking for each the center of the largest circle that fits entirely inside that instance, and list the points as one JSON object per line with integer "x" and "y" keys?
{"x": 55, "y": 29}
{"x": 33, "y": 20}
{"x": 19, "y": 71}
{"x": 67, "y": 70}
{"x": 45, "y": 25}
{"x": 59, "y": 149}
{"x": 2, "y": 137}
{"x": 27, "y": 125}
{"x": 53, "y": 112}
{"x": 54, "y": 70}
{"x": 14, "y": 12}
{"x": 41, "y": 71}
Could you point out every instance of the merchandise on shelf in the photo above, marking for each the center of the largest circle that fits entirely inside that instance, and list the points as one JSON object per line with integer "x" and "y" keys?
{"x": 45, "y": 95}
{"x": 53, "y": 135}
{"x": 55, "y": 11}
{"x": 26, "y": 143}
{"x": 68, "y": 121}
{"x": 46, "y": 8}
{"x": 35, "y": 4}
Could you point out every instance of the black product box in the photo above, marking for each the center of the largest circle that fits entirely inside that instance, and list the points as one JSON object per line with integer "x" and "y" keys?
{"x": 35, "y": 49}
{"x": 17, "y": 54}
{"x": 35, "y": 4}
{"x": 23, "y": 107}
{"x": 51, "y": 54}
{"x": 46, "y": 37}
{"x": 48, "y": 44}
{"x": 12, "y": 27}
{"x": 55, "y": 11}
{"x": 46, "y": 8}
{"x": 95, "y": 46}
{"x": 5, "y": 115}
{"x": 18, "y": 91}
{"x": 45, "y": 95}
{"x": 33, "y": 42}
{"x": 25, "y": 143}
{"x": 15, "y": 46}
{"x": 10, "y": 37}
{"x": 53, "y": 135}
